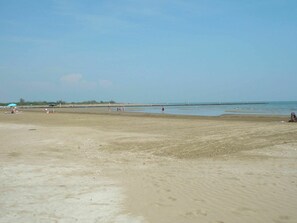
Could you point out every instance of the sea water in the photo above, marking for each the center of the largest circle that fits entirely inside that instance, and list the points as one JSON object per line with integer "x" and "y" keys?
{"x": 218, "y": 109}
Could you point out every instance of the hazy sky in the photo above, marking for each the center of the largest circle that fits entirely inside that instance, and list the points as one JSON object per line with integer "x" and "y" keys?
{"x": 148, "y": 50}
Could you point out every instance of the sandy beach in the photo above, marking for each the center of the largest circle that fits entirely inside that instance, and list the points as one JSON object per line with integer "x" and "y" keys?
{"x": 77, "y": 166}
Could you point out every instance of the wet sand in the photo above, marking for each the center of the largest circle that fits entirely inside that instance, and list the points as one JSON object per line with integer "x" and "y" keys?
{"x": 90, "y": 166}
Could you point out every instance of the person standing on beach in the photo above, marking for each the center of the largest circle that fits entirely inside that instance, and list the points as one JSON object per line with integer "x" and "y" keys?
{"x": 293, "y": 117}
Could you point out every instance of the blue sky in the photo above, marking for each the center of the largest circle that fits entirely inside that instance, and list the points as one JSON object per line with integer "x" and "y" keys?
{"x": 148, "y": 50}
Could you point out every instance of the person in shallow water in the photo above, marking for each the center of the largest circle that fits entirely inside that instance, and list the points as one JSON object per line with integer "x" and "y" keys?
{"x": 293, "y": 117}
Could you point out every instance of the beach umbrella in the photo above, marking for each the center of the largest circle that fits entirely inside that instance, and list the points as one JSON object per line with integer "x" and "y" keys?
{"x": 11, "y": 105}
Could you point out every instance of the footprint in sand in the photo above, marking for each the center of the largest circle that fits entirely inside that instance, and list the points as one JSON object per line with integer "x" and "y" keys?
{"x": 281, "y": 219}
{"x": 172, "y": 198}
{"x": 241, "y": 210}
{"x": 196, "y": 213}
{"x": 284, "y": 217}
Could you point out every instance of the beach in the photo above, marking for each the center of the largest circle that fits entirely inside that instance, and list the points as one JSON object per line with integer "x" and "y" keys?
{"x": 88, "y": 166}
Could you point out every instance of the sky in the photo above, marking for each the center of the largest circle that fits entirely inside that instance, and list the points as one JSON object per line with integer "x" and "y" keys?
{"x": 148, "y": 51}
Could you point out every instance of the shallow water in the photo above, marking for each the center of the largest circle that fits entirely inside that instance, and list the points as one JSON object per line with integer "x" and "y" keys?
{"x": 265, "y": 108}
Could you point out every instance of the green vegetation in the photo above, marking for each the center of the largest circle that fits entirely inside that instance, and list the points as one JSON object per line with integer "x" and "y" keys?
{"x": 94, "y": 102}
{"x": 22, "y": 102}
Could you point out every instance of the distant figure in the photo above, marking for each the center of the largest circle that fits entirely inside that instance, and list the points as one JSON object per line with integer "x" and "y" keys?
{"x": 163, "y": 109}
{"x": 293, "y": 117}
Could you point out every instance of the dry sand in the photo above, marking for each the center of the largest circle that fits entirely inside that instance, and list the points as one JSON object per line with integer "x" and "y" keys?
{"x": 67, "y": 167}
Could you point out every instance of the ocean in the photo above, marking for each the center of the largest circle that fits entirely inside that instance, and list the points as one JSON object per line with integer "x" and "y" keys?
{"x": 218, "y": 109}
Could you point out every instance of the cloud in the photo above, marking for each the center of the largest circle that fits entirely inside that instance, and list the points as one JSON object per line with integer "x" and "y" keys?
{"x": 71, "y": 78}
{"x": 77, "y": 80}
{"x": 105, "y": 83}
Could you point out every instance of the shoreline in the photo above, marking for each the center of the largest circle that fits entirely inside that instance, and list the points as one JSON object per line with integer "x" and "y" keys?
{"x": 103, "y": 111}
{"x": 269, "y": 111}
{"x": 68, "y": 105}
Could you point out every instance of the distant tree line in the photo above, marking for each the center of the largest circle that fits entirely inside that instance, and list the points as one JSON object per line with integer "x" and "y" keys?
{"x": 94, "y": 102}
{"x": 22, "y": 102}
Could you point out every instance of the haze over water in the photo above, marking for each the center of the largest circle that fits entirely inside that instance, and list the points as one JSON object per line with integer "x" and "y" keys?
{"x": 212, "y": 109}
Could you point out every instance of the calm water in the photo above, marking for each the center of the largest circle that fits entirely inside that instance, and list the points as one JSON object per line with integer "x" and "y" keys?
{"x": 267, "y": 108}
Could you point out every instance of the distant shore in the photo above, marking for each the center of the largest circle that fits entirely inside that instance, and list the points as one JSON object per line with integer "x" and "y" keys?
{"x": 178, "y": 109}
{"x": 103, "y": 110}
{"x": 139, "y": 104}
